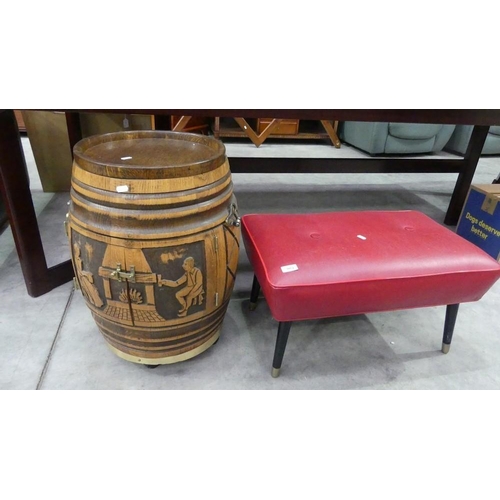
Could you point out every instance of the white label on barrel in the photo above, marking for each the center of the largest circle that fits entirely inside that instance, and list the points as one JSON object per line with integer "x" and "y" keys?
{"x": 289, "y": 268}
{"x": 122, "y": 189}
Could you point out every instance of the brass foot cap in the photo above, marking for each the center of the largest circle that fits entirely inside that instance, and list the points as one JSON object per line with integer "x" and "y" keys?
{"x": 446, "y": 348}
{"x": 252, "y": 306}
{"x": 276, "y": 372}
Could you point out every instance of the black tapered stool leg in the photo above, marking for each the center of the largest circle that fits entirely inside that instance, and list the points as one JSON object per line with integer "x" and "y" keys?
{"x": 449, "y": 326}
{"x": 254, "y": 294}
{"x": 279, "y": 351}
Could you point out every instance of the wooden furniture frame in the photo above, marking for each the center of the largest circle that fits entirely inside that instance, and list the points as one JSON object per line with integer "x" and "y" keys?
{"x": 247, "y": 130}
{"x": 183, "y": 125}
{"x": 14, "y": 180}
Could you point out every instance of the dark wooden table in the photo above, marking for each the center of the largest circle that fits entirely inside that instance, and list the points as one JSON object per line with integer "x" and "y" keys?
{"x": 14, "y": 181}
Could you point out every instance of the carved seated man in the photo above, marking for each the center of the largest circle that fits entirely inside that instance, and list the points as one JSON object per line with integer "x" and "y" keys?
{"x": 192, "y": 293}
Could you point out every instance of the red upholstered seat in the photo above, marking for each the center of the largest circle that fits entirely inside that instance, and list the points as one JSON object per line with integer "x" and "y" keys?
{"x": 335, "y": 264}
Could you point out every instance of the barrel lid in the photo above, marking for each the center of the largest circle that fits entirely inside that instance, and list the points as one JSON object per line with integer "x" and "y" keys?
{"x": 149, "y": 154}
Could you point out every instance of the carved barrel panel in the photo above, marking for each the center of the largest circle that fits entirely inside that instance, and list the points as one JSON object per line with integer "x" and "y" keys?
{"x": 154, "y": 238}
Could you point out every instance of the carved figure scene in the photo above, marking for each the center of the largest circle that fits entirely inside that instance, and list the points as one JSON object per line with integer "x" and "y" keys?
{"x": 86, "y": 278}
{"x": 134, "y": 296}
{"x": 192, "y": 292}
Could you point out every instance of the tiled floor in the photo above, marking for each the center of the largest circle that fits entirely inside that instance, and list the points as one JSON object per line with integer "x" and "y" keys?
{"x": 52, "y": 342}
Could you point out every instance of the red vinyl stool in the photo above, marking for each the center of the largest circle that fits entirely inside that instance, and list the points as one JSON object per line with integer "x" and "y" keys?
{"x": 323, "y": 265}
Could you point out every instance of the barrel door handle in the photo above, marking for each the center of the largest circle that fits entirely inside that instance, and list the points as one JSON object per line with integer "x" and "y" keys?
{"x": 233, "y": 219}
{"x": 122, "y": 275}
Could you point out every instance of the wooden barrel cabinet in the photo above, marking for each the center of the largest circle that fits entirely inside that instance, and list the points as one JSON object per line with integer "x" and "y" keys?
{"x": 154, "y": 233}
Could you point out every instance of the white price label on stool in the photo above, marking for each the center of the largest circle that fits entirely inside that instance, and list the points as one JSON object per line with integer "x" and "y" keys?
{"x": 289, "y": 268}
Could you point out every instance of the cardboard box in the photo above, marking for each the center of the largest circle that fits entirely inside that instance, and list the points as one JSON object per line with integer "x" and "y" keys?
{"x": 480, "y": 219}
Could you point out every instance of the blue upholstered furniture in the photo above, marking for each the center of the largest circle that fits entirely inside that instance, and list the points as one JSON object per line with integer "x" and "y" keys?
{"x": 396, "y": 138}
{"x": 461, "y": 135}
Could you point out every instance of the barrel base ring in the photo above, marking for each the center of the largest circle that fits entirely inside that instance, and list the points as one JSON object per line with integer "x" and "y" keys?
{"x": 168, "y": 359}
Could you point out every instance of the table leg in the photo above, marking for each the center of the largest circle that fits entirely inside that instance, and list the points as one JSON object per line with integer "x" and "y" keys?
{"x": 3, "y": 215}
{"x": 179, "y": 126}
{"x": 464, "y": 180}
{"x": 257, "y": 139}
{"x": 15, "y": 190}
{"x": 331, "y": 130}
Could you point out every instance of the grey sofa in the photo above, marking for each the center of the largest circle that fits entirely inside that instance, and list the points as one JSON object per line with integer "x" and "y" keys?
{"x": 461, "y": 135}
{"x": 396, "y": 138}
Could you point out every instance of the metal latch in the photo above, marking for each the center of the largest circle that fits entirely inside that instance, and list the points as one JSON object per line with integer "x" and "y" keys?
{"x": 122, "y": 275}
{"x": 66, "y": 225}
{"x": 66, "y": 222}
{"x": 233, "y": 219}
